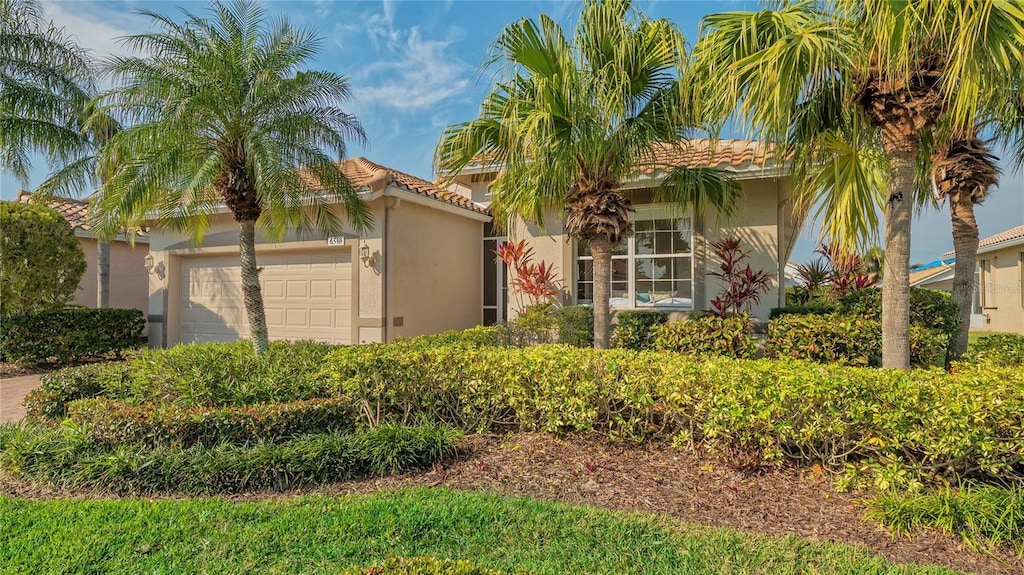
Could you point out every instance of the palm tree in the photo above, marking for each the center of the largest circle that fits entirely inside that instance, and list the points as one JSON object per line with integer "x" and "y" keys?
{"x": 571, "y": 118}
{"x": 45, "y": 79}
{"x": 818, "y": 77}
{"x": 82, "y": 173}
{"x": 220, "y": 111}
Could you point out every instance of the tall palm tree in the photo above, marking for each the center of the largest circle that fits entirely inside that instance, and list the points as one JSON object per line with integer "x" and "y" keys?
{"x": 881, "y": 72}
{"x": 221, "y": 111}
{"x": 81, "y": 174}
{"x": 45, "y": 79}
{"x": 571, "y": 118}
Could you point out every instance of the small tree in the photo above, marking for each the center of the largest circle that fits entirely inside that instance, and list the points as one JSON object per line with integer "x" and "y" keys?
{"x": 41, "y": 261}
{"x": 743, "y": 285}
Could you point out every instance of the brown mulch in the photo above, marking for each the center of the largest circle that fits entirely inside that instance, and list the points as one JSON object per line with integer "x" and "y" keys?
{"x": 12, "y": 370}
{"x": 662, "y": 480}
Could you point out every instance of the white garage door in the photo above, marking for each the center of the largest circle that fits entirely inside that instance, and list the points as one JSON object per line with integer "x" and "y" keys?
{"x": 306, "y": 295}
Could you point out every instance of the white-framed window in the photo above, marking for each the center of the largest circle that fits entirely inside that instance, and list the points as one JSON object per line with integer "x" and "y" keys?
{"x": 651, "y": 269}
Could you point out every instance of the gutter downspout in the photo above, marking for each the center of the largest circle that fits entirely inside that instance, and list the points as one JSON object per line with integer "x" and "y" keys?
{"x": 390, "y": 203}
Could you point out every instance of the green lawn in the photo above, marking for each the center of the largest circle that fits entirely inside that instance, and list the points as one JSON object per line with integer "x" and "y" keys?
{"x": 325, "y": 535}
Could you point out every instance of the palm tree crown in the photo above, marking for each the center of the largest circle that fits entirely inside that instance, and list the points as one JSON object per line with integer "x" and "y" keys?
{"x": 221, "y": 112}
{"x": 571, "y": 118}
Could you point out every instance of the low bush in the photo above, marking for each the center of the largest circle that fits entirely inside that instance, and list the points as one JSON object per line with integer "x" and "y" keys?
{"x": 983, "y": 516}
{"x": 420, "y": 566}
{"x": 636, "y": 329}
{"x": 70, "y": 334}
{"x": 930, "y": 309}
{"x": 493, "y": 335}
{"x": 727, "y": 336}
{"x": 845, "y": 339}
{"x": 575, "y": 325}
{"x": 67, "y": 456}
{"x": 806, "y": 309}
{"x": 113, "y": 423}
{"x": 536, "y": 324}
{"x": 925, "y": 422}
{"x": 49, "y": 401}
{"x": 999, "y": 349}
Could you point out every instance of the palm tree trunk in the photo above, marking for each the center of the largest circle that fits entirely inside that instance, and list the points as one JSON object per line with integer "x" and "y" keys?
{"x": 896, "y": 280}
{"x": 965, "y": 248}
{"x": 601, "y": 250}
{"x": 102, "y": 274}
{"x": 251, "y": 292}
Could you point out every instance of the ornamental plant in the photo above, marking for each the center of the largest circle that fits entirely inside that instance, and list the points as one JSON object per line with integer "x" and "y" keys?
{"x": 743, "y": 285}
{"x": 533, "y": 282}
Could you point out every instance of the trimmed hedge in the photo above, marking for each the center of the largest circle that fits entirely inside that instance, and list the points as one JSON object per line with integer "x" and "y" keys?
{"x": 49, "y": 402}
{"x": 708, "y": 335}
{"x": 112, "y": 423}
{"x": 636, "y": 329}
{"x": 926, "y": 421}
{"x": 809, "y": 309}
{"x": 69, "y": 457}
{"x": 845, "y": 339}
{"x": 1000, "y": 349}
{"x": 575, "y": 325}
{"x": 930, "y": 309}
{"x": 70, "y": 334}
{"x": 420, "y": 566}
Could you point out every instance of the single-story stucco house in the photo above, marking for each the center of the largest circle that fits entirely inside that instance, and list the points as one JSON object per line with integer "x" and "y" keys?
{"x": 428, "y": 265}
{"x": 128, "y": 275}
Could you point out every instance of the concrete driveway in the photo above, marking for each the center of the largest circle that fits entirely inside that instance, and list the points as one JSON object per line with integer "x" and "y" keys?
{"x": 12, "y": 392}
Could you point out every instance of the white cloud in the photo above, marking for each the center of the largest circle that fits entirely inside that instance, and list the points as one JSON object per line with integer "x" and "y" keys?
{"x": 420, "y": 74}
{"x": 95, "y": 30}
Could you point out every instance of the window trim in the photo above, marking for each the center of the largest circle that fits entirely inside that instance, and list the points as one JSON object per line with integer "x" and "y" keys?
{"x": 643, "y": 213}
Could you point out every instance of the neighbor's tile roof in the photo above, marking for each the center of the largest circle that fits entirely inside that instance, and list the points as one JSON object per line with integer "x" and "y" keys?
{"x": 926, "y": 274}
{"x": 362, "y": 172}
{"x": 701, "y": 154}
{"x": 1009, "y": 235}
{"x": 74, "y": 211}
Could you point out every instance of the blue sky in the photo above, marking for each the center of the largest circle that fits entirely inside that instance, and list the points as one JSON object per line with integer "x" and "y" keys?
{"x": 412, "y": 65}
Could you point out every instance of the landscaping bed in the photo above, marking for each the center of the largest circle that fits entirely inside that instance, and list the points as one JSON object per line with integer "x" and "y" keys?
{"x": 329, "y": 534}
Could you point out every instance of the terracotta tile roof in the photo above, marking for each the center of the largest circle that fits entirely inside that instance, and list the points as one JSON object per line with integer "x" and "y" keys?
{"x": 1009, "y": 235}
{"x": 924, "y": 275}
{"x": 364, "y": 173}
{"x": 73, "y": 210}
{"x": 700, "y": 154}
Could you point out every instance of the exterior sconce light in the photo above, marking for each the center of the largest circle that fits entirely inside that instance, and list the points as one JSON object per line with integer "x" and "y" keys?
{"x": 365, "y": 256}
{"x": 152, "y": 267}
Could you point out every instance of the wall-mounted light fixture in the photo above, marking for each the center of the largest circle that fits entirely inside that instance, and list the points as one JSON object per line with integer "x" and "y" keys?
{"x": 365, "y": 256}
{"x": 149, "y": 262}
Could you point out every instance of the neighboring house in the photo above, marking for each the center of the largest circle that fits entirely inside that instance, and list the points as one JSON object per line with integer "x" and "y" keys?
{"x": 665, "y": 265}
{"x": 935, "y": 275}
{"x": 999, "y": 297}
{"x": 418, "y": 271}
{"x": 128, "y": 274}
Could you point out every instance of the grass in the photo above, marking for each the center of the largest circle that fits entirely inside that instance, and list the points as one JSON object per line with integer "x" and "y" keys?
{"x": 983, "y": 516}
{"x": 327, "y": 535}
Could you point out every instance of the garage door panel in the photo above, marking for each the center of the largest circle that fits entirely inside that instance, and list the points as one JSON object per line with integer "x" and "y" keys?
{"x": 306, "y": 296}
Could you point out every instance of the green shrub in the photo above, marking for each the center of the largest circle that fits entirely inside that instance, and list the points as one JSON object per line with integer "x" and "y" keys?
{"x": 112, "y": 423}
{"x": 66, "y": 456}
{"x": 224, "y": 374}
{"x": 536, "y": 324}
{"x": 493, "y": 335}
{"x": 845, "y": 339}
{"x": 70, "y": 334}
{"x": 41, "y": 261}
{"x": 636, "y": 329}
{"x": 1000, "y": 349}
{"x": 708, "y": 335}
{"x": 925, "y": 421}
{"x": 575, "y": 325}
{"x": 983, "y": 516}
{"x": 49, "y": 401}
{"x": 807, "y": 309}
{"x": 420, "y": 566}
{"x": 931, "y": 309}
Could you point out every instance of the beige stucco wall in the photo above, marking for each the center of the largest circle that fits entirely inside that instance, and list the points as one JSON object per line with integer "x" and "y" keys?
{"x": 435, "y": 267}
{"x": 436, "y": 271}
{"x": 1002, "y": 303}
{"x": 764, "y": 219}
{"x": 128, "y": 276}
